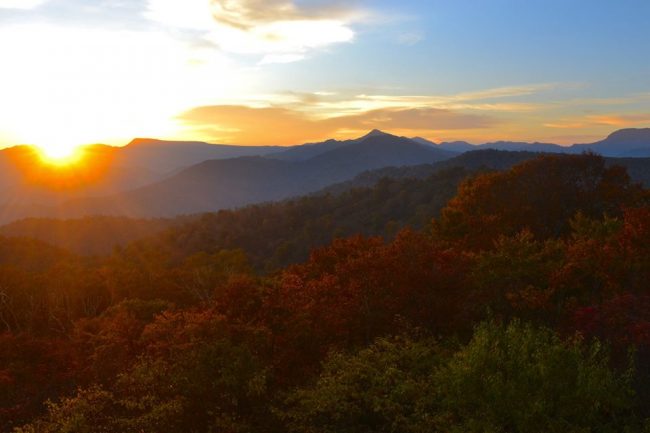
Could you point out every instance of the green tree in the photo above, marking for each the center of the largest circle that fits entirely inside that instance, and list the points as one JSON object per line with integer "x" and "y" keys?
{"x": 514, "y": 378}
{"x": 387, "y": 387}
{"x": 518, "y": 378}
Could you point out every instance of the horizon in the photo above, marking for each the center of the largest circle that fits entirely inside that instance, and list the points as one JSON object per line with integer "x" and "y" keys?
{"x": 288, "y": 72}
{"x": 477, "y": 144}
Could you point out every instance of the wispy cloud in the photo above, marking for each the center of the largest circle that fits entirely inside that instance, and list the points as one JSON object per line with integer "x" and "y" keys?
{"x": 621, "y": 120}
{"x": 275, "y": 125}
{"x": 280, "y": 31}
{"x": 595, "y": 120}
{"x": 330, "y": 104}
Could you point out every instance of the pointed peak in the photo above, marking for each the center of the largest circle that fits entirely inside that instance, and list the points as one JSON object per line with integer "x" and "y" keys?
{"x": 374, "y": 133}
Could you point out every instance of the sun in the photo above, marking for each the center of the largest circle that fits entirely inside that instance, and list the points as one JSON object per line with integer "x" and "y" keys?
{"x": 60, "y": 155}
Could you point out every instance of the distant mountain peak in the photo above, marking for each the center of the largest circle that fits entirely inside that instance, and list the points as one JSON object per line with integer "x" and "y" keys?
{"x": 630, "y": 134}
{"x": 375, "y": 133}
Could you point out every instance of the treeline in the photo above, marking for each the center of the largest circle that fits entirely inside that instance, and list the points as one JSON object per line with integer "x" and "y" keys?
{"x": 272, "y": 234}
{"x": 524, "y": 307}
{"x": 275, "y": 235}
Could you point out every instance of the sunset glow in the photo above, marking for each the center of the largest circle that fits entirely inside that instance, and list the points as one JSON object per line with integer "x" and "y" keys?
{"x": 60, "y": 155}
{"x": 76, "y": 72}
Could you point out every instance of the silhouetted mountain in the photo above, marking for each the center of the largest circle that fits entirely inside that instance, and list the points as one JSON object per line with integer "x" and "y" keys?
{"x": 220, "y": 184}
{"x": 454, "y": 146}
{"x": 168, "y": 156}
{"x": 457, "y": 146}
{"x": 377, "y": 150}
{"x": 622, "y": 143}
{"x": 27, "y": 182}
{"x": 147, "y": 177}
{"x": 423, "y": 141}
{"x": 311, "y": 150}
{"x": 513, "y": 146}
{"x": 632, "y": 143}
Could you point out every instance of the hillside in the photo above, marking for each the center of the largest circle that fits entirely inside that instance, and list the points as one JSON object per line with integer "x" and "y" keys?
{"x": 277, "y": 234}
{"x": 478, "y": 160}
{"x": 150, "y": 178}
{"x": 89, "y": 235}
{"x": 375, "y": 202}
{"x": 181, "y": 316}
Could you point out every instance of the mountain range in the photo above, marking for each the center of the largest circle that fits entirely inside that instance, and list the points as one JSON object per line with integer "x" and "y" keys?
{"x": 155, "y": 178}
{"x": 624, "y": 143}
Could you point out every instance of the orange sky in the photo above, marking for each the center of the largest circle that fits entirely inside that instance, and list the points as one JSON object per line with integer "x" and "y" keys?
{"x": 283, "y": 72}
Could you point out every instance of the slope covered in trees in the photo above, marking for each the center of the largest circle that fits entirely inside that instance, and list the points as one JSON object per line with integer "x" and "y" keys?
{"x": 87, "y": 236}
{"x": 377, "y": 202}
{"x": 486, "y": 320}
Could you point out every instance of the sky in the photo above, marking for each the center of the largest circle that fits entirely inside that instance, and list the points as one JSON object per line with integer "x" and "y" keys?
{"x": 282, "y": 72}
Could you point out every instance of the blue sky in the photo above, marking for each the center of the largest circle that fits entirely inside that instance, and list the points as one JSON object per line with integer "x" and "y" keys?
{"x": 285, "y": 72}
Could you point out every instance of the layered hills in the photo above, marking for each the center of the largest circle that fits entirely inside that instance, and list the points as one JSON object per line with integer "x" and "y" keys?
{"x": 155, "y": 178}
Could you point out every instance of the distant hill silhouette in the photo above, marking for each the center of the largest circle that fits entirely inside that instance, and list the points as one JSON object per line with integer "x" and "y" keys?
{"x": 633, "y": 143}
{"x": 623, "y": 143}
{"x": 166, "y": 157}
{"x": 220, "y": 184}
{"x": 151, "y": 178}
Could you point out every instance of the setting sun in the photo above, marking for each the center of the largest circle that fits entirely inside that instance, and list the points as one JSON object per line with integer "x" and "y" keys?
{"x": 60, "y": 155}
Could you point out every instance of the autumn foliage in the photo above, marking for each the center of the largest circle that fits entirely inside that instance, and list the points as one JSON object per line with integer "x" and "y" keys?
{"x": 524, "y": 307}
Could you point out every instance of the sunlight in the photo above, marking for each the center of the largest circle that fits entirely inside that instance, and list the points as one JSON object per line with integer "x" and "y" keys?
{"x": 64, "y": 88}
{"x": 60, "y": 155}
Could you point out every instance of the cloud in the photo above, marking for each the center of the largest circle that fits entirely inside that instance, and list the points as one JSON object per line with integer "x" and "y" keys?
{"x": 278, "y": 30}
{"x": 590, "y": 121}
{"x": 21, "y": 4}
{"x": 414, "y": 119}
{"x": 246, "y": 125}
{"x": 346, "y": 102}
{"x": 621, "y": 120}
{"x": 276, "y": 125}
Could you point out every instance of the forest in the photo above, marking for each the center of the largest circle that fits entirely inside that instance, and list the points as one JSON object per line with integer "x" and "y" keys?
{"x": 514, "y": 300}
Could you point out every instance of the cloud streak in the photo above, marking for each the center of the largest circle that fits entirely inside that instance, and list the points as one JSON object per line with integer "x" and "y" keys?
{"x": 594, "y": 120}
{"x": 275, "y": 125}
